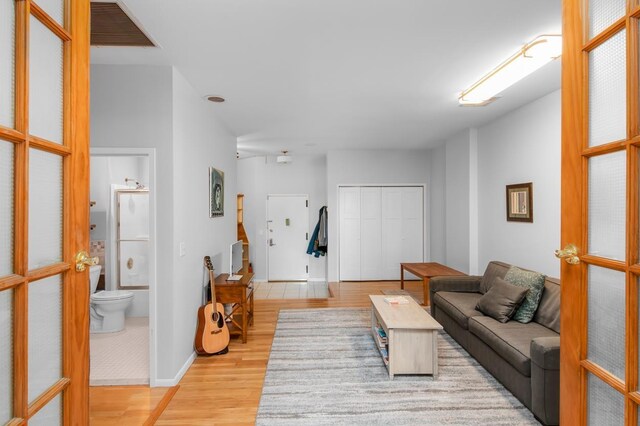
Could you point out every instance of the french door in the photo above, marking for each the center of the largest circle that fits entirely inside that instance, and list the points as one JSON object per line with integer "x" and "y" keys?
{"x": 44, "y": 166}
{"x": 600, "y": 149}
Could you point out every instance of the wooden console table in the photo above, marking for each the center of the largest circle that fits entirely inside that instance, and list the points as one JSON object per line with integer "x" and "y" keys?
{"x": 426, "y": 271}
{"x": 240, "y": 295}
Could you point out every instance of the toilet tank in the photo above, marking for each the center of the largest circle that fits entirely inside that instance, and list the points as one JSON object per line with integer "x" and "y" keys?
{"x": 94, "y": 277}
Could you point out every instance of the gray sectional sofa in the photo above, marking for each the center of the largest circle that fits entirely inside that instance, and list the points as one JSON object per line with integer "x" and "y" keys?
{"x": 525, "y": 358}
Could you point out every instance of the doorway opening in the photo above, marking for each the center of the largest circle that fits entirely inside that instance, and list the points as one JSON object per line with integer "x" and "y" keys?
{"x": 122, "y": 237}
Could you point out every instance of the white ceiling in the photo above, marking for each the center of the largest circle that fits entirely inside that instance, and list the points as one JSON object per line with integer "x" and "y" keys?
{"x": 312, "y": 75}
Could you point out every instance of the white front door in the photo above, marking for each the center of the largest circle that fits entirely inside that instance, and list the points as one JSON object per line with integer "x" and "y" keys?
{"x": 288, "y": 237}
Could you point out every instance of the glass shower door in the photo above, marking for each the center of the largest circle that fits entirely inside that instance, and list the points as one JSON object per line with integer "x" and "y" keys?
{"x": 133, "y": 239}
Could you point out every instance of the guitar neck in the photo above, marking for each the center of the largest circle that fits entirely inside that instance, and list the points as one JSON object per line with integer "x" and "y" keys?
{"x": 212, "y": 280}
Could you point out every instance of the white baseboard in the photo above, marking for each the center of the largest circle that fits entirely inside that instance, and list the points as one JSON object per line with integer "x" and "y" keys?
{"x": 260, "y": 280}
{"x": 179, "y": 375}
{"x": 317, "y": 280}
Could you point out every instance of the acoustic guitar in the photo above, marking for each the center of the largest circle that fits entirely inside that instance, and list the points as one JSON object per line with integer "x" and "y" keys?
{"x": 212, "y": 336}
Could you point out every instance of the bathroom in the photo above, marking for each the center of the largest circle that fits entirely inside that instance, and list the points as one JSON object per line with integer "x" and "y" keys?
{"x": 120, "y": 218}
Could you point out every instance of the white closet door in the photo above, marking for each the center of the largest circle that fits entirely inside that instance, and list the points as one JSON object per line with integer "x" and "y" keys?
{"x": 350, "y": 234}
{"x": 392, "y": 250}
{"x": 370, "y": 235}
{"x": 412, "y": 224}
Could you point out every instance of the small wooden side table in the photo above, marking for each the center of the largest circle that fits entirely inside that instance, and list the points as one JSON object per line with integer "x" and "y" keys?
{"x": 240, "y": 295}
{"x": 426, "y": 271}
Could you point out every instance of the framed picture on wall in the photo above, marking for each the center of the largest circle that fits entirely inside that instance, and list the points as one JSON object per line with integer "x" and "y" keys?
{"x": 216, "y": 192}
{"x": 520, "y": 202}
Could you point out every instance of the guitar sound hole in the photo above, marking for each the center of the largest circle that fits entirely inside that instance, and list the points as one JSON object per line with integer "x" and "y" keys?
{"x": 217, "y": 318}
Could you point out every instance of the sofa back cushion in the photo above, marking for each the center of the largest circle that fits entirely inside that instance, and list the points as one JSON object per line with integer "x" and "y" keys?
{"x": 548, "y": 313}
{"x": 494, "y": 270}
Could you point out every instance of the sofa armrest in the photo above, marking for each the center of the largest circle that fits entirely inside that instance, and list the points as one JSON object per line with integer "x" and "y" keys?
{"x": 545, "y": 379}
{"x": 545, "y": 352}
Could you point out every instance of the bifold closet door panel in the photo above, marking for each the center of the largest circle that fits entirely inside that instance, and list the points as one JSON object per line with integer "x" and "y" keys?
{"x": 392, "y": 250}
{"x": 350, "y": 234}
{"x": 370, "y": 235}
{"x": 412, "y": 224}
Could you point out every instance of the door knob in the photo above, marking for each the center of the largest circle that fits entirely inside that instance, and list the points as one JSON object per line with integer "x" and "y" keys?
{"x": 569, "y": 254}
{"x": 83, "y": 260}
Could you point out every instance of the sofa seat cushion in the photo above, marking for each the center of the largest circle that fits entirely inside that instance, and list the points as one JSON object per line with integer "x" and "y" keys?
{"x": 511, "y": 340}
{"x": 459, "y": 306}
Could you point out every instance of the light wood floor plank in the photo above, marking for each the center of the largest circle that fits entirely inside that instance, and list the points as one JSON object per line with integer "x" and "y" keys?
{"x": 226, "y": 389}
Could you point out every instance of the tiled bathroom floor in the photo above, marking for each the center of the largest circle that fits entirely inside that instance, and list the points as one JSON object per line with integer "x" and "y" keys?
{"x": 121, "y": 358}
{"x": 291, "y": 290}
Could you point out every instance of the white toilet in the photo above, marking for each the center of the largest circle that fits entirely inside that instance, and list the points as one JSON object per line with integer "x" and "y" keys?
{"x": 107, "y": 307}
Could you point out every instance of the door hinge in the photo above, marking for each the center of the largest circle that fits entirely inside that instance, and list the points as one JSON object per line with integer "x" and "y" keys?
{"x": 307, "y": 236}
{"x": 306, "y": 203}
{"x": 307, "y": 269}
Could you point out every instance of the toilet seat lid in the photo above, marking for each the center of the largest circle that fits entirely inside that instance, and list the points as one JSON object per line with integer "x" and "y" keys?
{"x": 111, "y": 295}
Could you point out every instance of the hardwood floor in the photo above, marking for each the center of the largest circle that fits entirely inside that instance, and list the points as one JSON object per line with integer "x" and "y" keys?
{"x": 226, "y": 389}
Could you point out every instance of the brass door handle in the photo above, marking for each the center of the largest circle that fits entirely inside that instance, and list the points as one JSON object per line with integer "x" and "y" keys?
{"x": 569, "y": 254}
{"x": 83, "y": 260}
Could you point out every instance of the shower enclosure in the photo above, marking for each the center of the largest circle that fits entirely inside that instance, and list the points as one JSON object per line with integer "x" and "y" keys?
{"x": 132, "y": 239}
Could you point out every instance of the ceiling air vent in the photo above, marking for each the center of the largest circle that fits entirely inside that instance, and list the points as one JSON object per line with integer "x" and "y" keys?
{"x": 112, "y": 26}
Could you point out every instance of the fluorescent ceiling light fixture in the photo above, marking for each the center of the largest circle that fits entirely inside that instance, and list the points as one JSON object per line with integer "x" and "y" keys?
{"x": 528, "y": 59}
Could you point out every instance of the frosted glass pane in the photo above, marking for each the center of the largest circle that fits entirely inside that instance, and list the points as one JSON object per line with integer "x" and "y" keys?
{"x": 608, "y": 91}
{"x": 49, "y": 415}
{"x": 45, "y": 84}
{"x": 7, "y": 62}
{"x": 134, "y": 215}
{"x": 603, "y": 13}
{"x": 605, "y": 404}
{"x": 607, "y": 205}
{"x": 606, "y": 319}
{"x": 45, "y": 208}
{"x": 45, "y": 334}
{"x": 54, "y": 8}
{"x": 6, "y": 356}
{"x": 134, "y": 264}
{"x": 6, "y": 208}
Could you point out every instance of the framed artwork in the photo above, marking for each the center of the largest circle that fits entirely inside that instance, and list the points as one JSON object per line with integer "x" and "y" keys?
{"x": 520, "y": 202}
{"x": 216, "y": 192}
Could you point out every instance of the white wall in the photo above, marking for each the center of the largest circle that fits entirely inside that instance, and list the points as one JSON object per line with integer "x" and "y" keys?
{"x": 154, "y": 107}
{"x": 261, "y": 176}
{"x": 457, "y": 187}
{"x": 523, "y": 146}
{"x": 372, "y": 167}
{"x": 438, "y": 198}
{"x": 200, "y": 141}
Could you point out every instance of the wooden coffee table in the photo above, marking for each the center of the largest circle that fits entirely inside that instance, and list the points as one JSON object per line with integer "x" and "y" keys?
{"x": 426, "y": 271}
{"x": 411, "y": 345}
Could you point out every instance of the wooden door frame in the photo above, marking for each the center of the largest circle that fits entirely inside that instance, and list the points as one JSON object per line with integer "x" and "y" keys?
{"x": 575, "y": 366}
{"x": 74, "y": 384}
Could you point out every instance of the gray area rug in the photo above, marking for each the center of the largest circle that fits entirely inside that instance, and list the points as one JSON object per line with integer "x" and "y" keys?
{"x": 324, "y": 369}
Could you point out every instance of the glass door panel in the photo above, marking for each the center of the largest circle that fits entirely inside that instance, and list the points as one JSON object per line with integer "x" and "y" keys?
{"x": 134, "y": 264}
{"x": 606, "y": 405}
{"x": 45, "y": 334}
{"x": 605, "y": 324}
{"x": 45, "y": 88}
{"x": 6, "y": 208}
{"x": 53, "y": 8}
{"x": 7, "y": 62}
{"x": 607, "y": 205}
{"x": 45, "y": 208}
{"x": 603, "y": 13}
{"x": 49, "y": 415}
{"x": 6, "y": 356}
{"x": 608, "y": 91}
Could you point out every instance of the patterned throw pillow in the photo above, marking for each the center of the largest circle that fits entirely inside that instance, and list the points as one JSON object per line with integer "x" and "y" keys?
{"x": 535, "y": 283}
